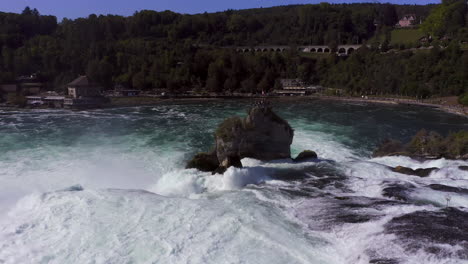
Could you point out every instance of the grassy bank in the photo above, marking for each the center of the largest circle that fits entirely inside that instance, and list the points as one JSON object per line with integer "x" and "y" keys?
{"x": 406, "y": 36}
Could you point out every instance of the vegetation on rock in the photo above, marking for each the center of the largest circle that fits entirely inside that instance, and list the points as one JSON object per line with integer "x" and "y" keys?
{"x": 229, "y": 126}
{"x": 262, "y": 135}
{"x": 389, "y": 147}
{"x": 428, "y": 145}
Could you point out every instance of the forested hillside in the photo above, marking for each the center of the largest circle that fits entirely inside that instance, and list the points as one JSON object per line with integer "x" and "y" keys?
{"x": 185, "y": 52}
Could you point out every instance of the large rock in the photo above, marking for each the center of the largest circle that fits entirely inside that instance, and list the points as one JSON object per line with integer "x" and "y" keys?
{"x": 262, "y": 135}
{"x": 418, "y": 172}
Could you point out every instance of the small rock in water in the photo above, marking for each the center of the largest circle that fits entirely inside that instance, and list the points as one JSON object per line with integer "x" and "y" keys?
{"x": 417, "y": 172}
{"x": 305, "y": 155}
{"x": 74, "y": 188}
{"x": 398, "y": 191}
{"x": 445, "y": 188}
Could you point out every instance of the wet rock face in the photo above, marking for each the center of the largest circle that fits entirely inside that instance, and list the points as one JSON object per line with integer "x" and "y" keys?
{"x": 305, "y": 155}
{"x": 228, "y": 162}
{"x": 204, "y": 162}
{"x": 417, "y": 172}
{"x": 445, "y": 188}
{"x": 446, "y": 226}
{"x": 398, "y": 191}
{"x": 262, "y": 135}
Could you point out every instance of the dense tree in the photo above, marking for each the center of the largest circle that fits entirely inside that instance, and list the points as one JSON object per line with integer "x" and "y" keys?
{"x": 183, "y": 52}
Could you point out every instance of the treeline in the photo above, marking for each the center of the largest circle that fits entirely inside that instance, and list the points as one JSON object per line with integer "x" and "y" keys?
{"x": 184, "y": 52}
{"x": 438, "y": 72}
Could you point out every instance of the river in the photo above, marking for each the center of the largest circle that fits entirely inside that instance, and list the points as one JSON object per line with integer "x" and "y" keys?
{"x": 109, "y": 186}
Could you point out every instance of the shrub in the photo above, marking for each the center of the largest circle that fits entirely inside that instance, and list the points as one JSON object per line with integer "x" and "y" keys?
{"x": 463, "y": 99}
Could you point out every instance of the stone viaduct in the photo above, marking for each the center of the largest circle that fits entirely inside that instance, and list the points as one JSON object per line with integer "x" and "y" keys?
{"x": 341, "y": 49}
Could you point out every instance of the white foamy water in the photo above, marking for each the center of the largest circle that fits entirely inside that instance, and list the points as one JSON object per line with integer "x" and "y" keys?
{"x": 141, "y": 227}
{"x": 132, "y": 201}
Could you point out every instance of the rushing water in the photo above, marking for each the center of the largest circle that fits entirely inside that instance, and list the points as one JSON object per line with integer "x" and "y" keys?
{"x": 109, "y": 186}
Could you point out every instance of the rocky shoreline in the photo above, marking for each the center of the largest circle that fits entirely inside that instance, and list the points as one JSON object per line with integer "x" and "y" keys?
{"x": 426, "y": 146}
{"x": 148, "y": 101}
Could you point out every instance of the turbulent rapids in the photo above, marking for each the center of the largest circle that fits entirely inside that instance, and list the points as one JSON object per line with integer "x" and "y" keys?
{"x": 110, "y": 186}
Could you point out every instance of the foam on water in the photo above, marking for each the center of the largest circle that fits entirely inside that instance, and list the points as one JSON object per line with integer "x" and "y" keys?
{"x": 232, "y": 228}
{"x": 267, "y": 212}
{"x": 186, "y": 183}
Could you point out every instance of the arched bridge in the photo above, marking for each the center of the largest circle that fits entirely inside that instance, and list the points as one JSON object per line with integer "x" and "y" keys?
{"x": 340, "y": 50}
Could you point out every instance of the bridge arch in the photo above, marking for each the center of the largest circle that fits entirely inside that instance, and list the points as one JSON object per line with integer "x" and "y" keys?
{"x": 342, "y": 51}
{"x": 350, "y": 50}
{"x": 320, "y": 50}
{"x": 313, "y": 50}
{"x": 326, "y": 50}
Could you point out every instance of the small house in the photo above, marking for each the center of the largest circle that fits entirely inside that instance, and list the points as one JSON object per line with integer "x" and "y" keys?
{"x": 29, "y": 84}
{"x": 292, "y": 84}
{"x": 407, "y": 21}
{"x": 82, "y": 87}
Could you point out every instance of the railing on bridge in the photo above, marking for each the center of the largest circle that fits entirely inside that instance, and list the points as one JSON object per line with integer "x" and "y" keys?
{"x": 340, "y": 50}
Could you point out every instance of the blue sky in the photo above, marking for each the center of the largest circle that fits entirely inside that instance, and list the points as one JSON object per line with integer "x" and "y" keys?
{"x": 82, "y": 8}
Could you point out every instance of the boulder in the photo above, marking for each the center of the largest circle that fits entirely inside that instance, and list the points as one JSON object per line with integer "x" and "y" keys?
{"x": 204, "y": 162}
{"x": 418, "y": 172}
{"x": 305, "y": 155}
{"x": 262, "y": 135}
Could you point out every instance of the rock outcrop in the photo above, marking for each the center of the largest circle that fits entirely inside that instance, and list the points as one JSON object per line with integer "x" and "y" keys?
{"x": 262, "y": 135}
{"x": 418, "y": 172}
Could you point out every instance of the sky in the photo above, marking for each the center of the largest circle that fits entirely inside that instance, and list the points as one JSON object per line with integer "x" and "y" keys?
{"x": 83, "y": 8}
